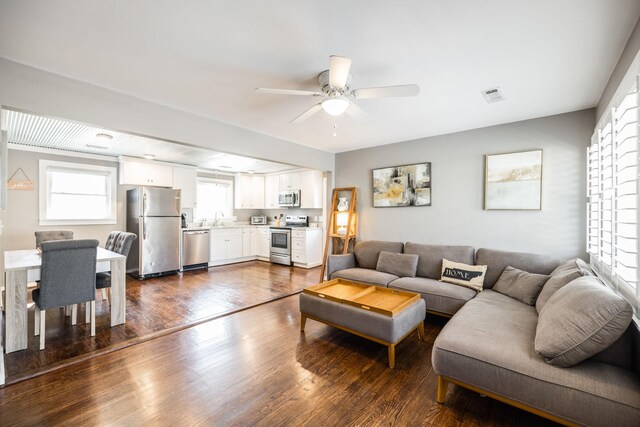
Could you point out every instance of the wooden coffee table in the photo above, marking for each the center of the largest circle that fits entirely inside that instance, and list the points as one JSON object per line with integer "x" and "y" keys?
{"x": 382, "y": 315}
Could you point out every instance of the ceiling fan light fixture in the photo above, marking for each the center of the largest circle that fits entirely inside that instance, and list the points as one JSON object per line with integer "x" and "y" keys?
{"x": 335, "y": 106}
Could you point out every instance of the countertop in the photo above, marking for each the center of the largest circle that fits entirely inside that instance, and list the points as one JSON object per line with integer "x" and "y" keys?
{"x": 211, "y": 227}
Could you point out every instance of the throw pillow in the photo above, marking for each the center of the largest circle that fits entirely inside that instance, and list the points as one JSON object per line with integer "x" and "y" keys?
{"x": 470, "y": 276}
{"x": 520, "y": 285}
{"x": 555, "y": 282}
{"x": 403, "y": 265}
{"x": 581, "y": 319}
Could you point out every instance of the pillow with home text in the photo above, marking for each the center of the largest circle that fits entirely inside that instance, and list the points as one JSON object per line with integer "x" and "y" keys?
{"x": 470, "y": 276}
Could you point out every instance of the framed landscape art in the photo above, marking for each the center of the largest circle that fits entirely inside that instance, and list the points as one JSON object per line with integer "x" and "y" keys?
{"x": 408, "y": 185}
{"x": 513, "y": 181}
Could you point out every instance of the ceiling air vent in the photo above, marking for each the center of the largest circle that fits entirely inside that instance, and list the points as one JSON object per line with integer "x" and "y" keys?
{"x": 97, "y": 147}
{"x": 493, "y": 95}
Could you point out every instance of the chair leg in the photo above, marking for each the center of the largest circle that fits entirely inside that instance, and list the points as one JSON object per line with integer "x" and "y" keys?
{"x": 74, "y": 314}
{"x": 87, "y": 312}
{"x": 93, "y": 318}
{"x": 42, "y": 334}
{"x": 104, "y": 294}
{"x": 36, "y": 322}
{"x": 67, "y": 310}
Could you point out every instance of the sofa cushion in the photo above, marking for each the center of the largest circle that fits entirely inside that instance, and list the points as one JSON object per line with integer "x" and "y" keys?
{"x": 502, "y": 360}
{"x": 572, "y": 265}
{"x": 520, "y": 285}
{"x": 440, "y": 296}
{"x": 496, "y": 261}
{"x": 367, "y": 251}
{"x": 430, "y": 262}
{"x": 365, "y": 275}
{"x": 471, "y": 276}
{"x": 402, "y": 265}
{"x": 579, "y": 320}
{"x": 555, "y": 282}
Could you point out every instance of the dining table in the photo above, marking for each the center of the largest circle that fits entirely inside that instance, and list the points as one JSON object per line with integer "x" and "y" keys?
{"x": 23, "y": 266}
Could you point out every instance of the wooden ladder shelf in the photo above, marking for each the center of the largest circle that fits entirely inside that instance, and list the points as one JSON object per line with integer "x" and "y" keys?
{"x": 340, "y": 243}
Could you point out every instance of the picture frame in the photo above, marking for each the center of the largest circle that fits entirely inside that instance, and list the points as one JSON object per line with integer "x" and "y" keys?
{"x": 513, "y": 181}
{"x": 402, "y": 186}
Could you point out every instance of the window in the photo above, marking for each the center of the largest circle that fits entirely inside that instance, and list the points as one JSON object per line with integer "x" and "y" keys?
{"x": 213, "y": 195}
{"x": 613, "y": 240}
{"x": 73, "y": 193}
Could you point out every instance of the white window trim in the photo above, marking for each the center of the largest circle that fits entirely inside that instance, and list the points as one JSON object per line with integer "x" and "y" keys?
{"x": 227, "y": 182}
{"x": 44, "y": 187}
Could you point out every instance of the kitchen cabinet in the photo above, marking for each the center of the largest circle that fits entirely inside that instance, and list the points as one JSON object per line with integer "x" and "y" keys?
{"x": 271, "y": 190}
{"x": 264, "y": 242}
{"x": 186, "y": 179}
{"x": 249, "y": 242}
{"x": 249, "y": 192}
{"x": 290, "y": 181}
{"x": 225, "y": 244}
{"x": 306, "y": 247}
{"x": 311, "y": 189}
{"x": 138, "y": 172}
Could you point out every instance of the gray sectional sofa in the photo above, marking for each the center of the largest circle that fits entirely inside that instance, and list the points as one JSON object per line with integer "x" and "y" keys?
{"x": 489, "y": 345}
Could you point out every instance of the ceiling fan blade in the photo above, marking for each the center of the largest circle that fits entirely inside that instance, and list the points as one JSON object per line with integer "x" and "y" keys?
{"x": 356, "y": 113}
{"x": 386, "y": 91}
{"x": 338, "y": 71}
{"x": 288, "y": 92}
{"x": 304, "y": 116}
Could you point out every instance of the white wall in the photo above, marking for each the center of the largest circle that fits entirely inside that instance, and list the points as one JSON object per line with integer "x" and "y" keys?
{"x": 456, "y": 216}
{"x": 38, "y": 91}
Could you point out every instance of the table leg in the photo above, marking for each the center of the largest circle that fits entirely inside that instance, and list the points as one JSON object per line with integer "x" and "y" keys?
{"x": 118, "y": 292}
{"x": 16, "y": 333}
{"x": 421, "y": 331}
{"x": 392, "y": 355}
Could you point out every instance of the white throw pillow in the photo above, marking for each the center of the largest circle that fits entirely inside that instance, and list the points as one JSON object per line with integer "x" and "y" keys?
{"x": 470, "y": 276}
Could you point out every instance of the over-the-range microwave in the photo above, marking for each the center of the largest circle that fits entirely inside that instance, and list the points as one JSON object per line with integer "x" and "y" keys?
{"x": 289, "y": 198}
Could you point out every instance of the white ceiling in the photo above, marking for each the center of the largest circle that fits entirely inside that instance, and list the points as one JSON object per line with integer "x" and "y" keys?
{"x": 207, "y": 56}
{"x": 45, "y": 132}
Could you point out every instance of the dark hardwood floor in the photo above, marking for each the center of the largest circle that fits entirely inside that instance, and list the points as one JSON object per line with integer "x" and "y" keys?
{"x": 254, "y": 367}
{"x": 154, "y": 307}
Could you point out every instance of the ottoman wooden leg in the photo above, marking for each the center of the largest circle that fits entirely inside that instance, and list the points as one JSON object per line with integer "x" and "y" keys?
{"x": 421, "y": 331}
{"x": 392, "y": 355}
{"x": 442, "y": 389}
{"x": 303, "y": 322}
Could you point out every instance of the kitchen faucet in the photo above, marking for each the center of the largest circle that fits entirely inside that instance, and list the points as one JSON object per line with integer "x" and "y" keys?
{"x": 216, "y": 220}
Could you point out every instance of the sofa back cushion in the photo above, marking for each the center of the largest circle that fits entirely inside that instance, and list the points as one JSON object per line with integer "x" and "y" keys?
{"x": 402, "y": 265}
{"x": 580, "y": 320}
{"x": 430, "y": 257}
{"x": 367, "y": 251}
{"x": 520, "y": 285}
{"x": 496, "y": 261}
{"x": 563, "y": 274}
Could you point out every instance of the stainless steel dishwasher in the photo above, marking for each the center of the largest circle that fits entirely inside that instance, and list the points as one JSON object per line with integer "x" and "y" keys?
{"x": 195, "y": 249}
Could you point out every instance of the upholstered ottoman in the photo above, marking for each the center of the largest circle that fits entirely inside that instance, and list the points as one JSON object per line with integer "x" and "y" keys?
{"x": 379, "y": 314}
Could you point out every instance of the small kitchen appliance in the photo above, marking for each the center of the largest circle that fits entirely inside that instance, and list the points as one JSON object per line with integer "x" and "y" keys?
{"x": 258, "y": 220}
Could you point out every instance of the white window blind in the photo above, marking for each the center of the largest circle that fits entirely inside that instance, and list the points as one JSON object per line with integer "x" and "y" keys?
{"x": 612, "y": 209}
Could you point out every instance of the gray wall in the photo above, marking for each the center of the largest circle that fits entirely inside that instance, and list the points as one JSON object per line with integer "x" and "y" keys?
{"x": 456, "y": 215}
{"x": 38, "y": 91}
{"x": 21, "y": 216}
{"x": 626, "y": 58}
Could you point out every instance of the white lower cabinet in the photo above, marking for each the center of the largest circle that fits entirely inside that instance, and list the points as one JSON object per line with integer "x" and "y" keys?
{"x": 264, "y": 242}
{"x": 249, "y": 242}
{"x": 306, "y": 247}
{"x": 225, "y": 244}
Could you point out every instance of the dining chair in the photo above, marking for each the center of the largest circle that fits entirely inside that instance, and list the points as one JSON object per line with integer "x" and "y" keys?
{"x": 119, "y": 242}
{"x": 48, "y": 235}
{"x": 67, "y": 277}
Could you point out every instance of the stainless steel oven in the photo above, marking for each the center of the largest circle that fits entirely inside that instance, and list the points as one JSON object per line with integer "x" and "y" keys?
{"x": 280, "y": 251}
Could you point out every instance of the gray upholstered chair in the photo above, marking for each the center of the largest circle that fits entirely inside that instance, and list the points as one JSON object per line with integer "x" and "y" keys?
{"x": 67, "y": 277}
{"x": 48, "y": 235}
{"x": 119, "y": 242}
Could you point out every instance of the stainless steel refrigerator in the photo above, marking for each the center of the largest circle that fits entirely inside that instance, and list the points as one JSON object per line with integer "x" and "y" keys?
{"x": 153, "y": 214}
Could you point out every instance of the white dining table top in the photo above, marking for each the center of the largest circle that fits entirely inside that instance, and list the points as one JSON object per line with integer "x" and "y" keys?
{"x": 30, "y": 258}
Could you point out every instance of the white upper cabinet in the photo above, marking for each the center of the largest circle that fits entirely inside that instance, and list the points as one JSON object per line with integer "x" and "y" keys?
{"x": 290, "y": 181}
{"x": 271, "y": 190}
{"x": 186, "y": 179}
{"x": 311, "y": 189}
{"x": 138, "y": 172}
{"x": 249, "y": 192}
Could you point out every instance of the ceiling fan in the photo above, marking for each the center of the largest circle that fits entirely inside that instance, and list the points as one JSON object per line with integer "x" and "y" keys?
{"x": 336, "y": 92}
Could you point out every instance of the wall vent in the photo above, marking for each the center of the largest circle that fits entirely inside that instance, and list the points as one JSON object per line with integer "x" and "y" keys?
{"x": 493, "y": 95}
